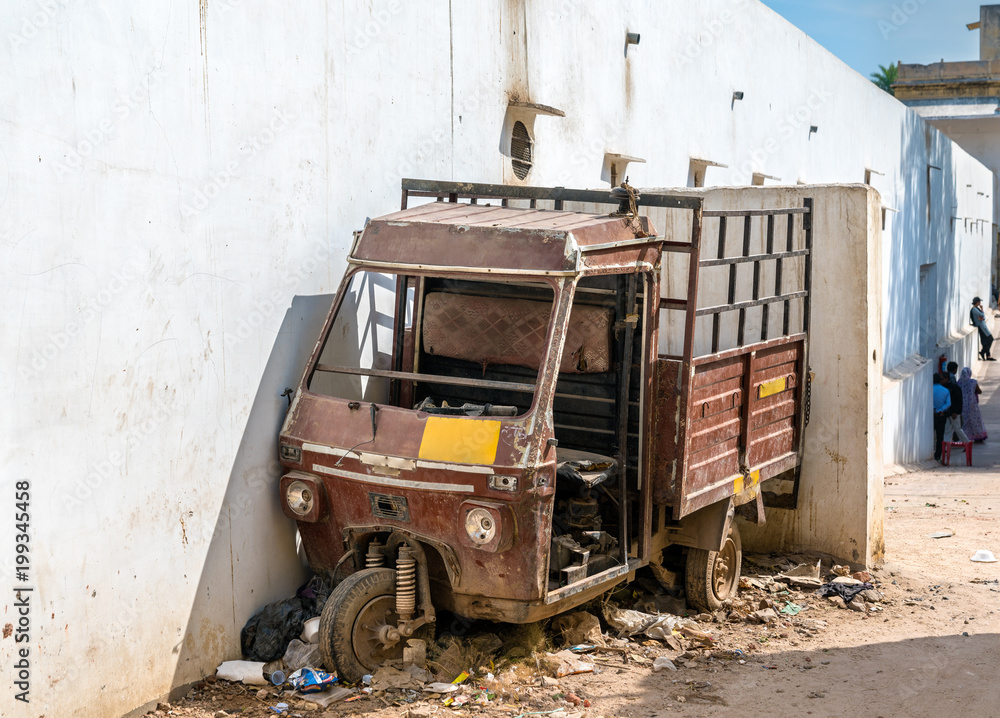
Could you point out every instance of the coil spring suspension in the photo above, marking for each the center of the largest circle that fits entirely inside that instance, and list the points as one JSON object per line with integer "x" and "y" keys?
{"x": 406, "y": 583}
{"x": 375, "y": 558}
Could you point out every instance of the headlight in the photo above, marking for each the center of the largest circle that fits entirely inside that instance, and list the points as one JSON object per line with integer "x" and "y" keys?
{"x": 299, "y": 498}
{"x": 480, "y": 526}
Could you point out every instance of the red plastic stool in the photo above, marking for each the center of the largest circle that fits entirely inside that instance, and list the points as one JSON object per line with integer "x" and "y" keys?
{"x": 946, "y": 451}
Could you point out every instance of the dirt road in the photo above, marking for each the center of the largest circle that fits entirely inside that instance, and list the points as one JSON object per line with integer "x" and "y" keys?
{"x": 933, "y": 648}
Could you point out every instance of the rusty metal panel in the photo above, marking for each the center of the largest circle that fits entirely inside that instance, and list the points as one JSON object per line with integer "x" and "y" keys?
{"x": 665, "y": 440}
{"x": 449, "y": 234}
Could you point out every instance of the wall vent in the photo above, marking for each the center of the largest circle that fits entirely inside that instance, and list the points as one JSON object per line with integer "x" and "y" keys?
{"x": 520, "y": 150}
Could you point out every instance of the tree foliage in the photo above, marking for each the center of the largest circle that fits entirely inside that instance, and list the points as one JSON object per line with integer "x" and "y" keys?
{"x": 885, "y": 77}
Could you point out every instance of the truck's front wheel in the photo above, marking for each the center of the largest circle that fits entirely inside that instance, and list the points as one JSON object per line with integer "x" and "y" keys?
{"x": 712, "y": 577}
{"x": 355, "y": 629}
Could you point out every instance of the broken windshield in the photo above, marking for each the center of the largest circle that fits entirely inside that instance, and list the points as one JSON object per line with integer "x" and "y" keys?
{"x": 436, "y": 344}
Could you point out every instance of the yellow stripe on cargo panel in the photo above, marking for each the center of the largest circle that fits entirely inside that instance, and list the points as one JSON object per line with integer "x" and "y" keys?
{"x": 465, "y": 441}
{"x": 769, "y": 388}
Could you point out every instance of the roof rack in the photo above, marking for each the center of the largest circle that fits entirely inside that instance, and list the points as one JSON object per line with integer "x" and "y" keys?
{"x": 474, "y": 191}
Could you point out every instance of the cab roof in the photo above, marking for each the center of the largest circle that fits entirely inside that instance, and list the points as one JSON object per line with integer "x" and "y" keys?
{"x": 455, "y": 236}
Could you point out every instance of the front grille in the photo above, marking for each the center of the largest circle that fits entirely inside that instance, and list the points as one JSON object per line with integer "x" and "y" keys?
{"x": 389, "y": 507}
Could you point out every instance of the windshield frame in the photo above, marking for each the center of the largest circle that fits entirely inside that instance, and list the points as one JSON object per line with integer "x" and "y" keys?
{"x": 561, "y": 285}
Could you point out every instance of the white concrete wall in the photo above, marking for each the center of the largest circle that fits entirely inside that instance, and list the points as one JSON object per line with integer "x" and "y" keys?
{"x": 178, "y": 184}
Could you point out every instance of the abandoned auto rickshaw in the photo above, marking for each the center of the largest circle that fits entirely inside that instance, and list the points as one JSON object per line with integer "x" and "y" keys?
{"x": 490, "y": 424}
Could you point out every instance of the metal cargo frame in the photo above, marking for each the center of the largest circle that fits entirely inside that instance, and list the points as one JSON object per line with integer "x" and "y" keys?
{"x": 750, "y": 362}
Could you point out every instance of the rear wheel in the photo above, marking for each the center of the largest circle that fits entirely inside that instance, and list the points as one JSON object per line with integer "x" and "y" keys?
{"x": 712, "y": 577}
{"x": 357, "y": 625}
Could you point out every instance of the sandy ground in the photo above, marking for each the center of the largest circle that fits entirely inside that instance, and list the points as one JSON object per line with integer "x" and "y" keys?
{"x": 932, "y": 650}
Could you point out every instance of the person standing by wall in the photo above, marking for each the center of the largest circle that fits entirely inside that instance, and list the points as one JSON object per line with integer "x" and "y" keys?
{"x": 942, "y": 405}
{"x": 953, "y": 420}
{"x": 978, "y": 318}
{"x": 972, "y": 419}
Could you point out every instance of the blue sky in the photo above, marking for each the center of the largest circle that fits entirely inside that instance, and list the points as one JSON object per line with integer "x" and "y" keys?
{"x": 869, "y": 33}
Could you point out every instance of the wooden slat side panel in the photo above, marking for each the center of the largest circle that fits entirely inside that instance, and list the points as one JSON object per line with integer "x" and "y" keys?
{"x": 779, "y": 440}
{"x": 718, "y": 371}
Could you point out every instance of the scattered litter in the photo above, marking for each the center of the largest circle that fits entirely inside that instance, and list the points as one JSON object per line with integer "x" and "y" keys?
{"x": 423, "y": 675}
{"x": 299, "y": 655}
{"x": 310, "y": 680}
{"x": 249, "y": 672}
{"x": 415, "y": 653}
{"x": 440, "y": 687}
{"x": 388, "y": 677}
{"x": 846, "y": 591}
{"x": 805, "y": 574}
{"x": 579, "y": 627}
{"x": 984, "y": 556}
{"x": 280, "y": 709}
{"x": 841, "y": 570}
{"x": 328, "y": 697}
{"x": 663, "y": 662}
{"x": 267, "y": 634}
{"x": 310, "y": 631}
{"x": 629, "y": 623}
{"x": 847, "y": 580}
{"x": 947, "y": 533}
{"x": 277, "y": 678}
{"x": 792, "y": 609}
{"x": 566, "y": 663}
{"x": 765, "y": 615}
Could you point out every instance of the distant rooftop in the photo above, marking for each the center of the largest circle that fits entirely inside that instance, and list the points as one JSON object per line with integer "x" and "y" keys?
{"x": 969, "y": 83}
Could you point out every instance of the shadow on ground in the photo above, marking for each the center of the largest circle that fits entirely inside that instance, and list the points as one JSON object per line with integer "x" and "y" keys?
{"x": 930, "y": 677}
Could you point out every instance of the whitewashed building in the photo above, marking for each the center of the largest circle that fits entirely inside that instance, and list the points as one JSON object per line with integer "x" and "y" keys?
{"x": 178, "y": 187}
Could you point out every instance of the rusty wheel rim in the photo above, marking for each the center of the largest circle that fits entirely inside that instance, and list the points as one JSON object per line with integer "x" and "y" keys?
{"x": 724, "y": 570}
{"x": 368, "y": 627}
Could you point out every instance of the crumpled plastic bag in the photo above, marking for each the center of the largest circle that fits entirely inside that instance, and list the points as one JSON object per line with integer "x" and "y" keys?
{"x": 629, "y": 623}
{"x": 299, "y": 655}
{"x": 267, "y": 634}
{"x": 580, "y": 627}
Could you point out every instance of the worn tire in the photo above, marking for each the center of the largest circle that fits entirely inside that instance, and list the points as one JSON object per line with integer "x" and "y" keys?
{"x": 342, "y": 627}
{"x": 713, "y": 576}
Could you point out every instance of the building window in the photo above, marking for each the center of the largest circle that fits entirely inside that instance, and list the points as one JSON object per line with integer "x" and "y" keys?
{"x": 520, "y": 150}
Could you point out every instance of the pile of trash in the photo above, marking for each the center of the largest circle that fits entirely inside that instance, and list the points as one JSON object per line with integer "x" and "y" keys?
{"x": 645, "y": 624}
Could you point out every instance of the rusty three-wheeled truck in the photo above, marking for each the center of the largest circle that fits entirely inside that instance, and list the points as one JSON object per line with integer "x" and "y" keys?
{"x": 488, "y": 424}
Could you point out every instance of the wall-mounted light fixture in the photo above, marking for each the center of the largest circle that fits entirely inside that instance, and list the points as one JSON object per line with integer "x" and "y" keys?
{"x": 737, "y": 95}
{"x": 813, "y": 128}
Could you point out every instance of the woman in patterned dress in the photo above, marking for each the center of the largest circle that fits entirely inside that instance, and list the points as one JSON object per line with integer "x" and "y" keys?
{"x": 972, "y": 420}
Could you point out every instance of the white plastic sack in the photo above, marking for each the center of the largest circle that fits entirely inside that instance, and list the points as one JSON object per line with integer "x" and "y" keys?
{"x": 248, "y": 672}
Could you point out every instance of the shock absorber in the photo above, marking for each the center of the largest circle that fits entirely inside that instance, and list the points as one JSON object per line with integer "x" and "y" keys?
{"x": 406, "y": 583}
{"x": 375, "y": 558}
